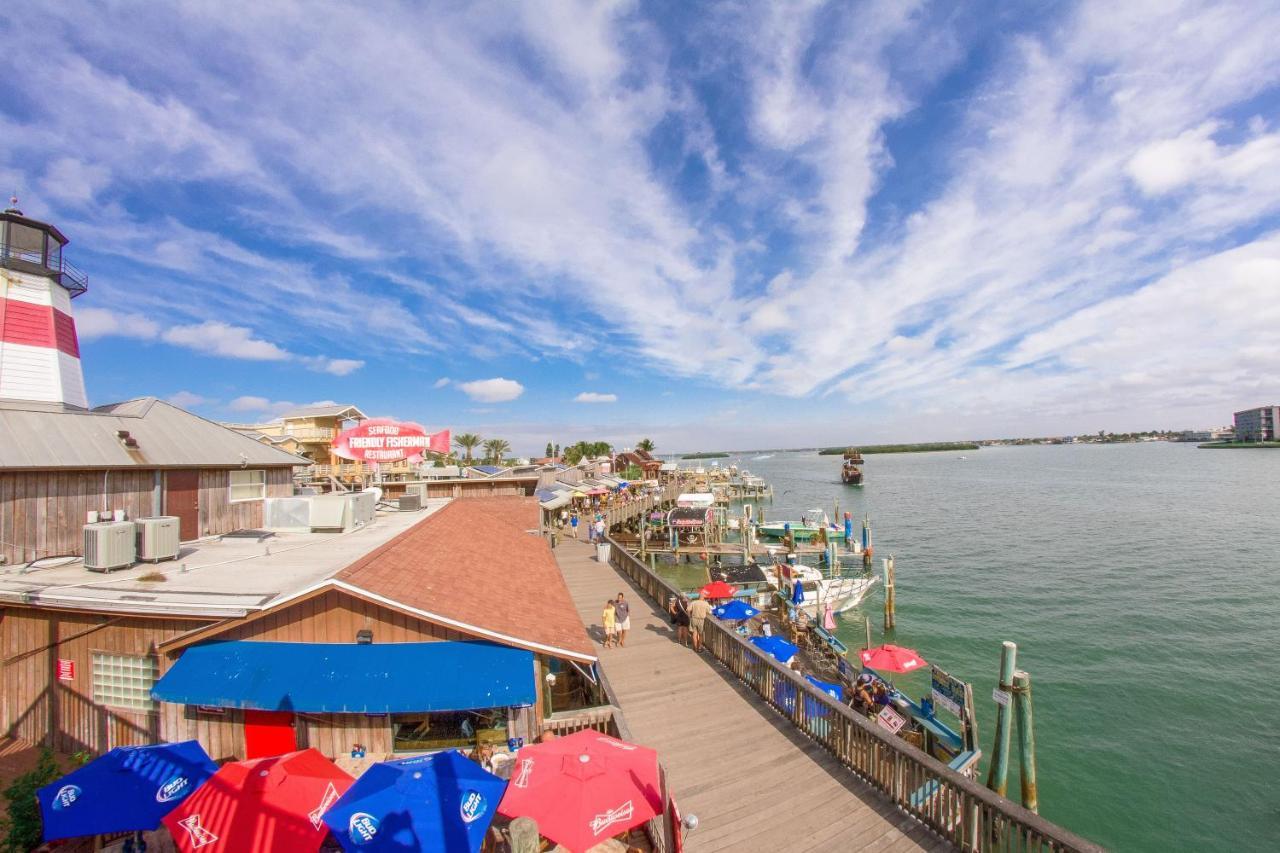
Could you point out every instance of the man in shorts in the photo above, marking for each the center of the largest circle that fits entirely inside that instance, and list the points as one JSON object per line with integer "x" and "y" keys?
{"x": 699, "y": 610}
{"x": 622, "y": 612}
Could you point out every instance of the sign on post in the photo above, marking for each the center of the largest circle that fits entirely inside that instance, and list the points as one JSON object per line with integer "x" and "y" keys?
{"x": 66, "y": 669}
{"x": 891, "y": 720}
{"x": 382, "y": 440}
{"x": 948, "y": 692}
{"x": 1001, "y": 697}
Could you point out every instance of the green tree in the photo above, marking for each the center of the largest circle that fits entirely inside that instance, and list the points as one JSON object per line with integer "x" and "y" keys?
{"x": 645, "y": 444}
{"x": 495, "y": 449}
{"x": 557, "y": 453}
{"x": 468, "y": 441}
{"x": 550, "y": 450}
{"x": 23, "y": 827}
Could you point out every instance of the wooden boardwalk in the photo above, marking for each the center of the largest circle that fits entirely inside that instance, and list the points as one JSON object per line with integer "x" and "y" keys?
{"x": 753, "y": 780}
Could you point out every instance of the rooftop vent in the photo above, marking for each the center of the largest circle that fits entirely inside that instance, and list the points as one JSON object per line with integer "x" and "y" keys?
{"x": 126, "y": 439}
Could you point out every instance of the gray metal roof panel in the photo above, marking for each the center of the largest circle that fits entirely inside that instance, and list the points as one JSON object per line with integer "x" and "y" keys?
{"x": 40, "y": 437}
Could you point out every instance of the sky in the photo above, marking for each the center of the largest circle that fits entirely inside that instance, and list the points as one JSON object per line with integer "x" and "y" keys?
{"x": 717, "y": 225}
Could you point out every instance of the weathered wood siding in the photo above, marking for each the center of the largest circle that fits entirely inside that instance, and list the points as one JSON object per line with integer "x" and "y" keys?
{"x": 42, "y": 513}
{"x": 479, "y": 488}
{"x": 36, "y": 706}
{"x": 219, "y": 515}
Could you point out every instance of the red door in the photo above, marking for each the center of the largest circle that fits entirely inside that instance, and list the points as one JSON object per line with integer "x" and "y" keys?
{"x": 182, "y": 498}
{"x": 268, "y": 733}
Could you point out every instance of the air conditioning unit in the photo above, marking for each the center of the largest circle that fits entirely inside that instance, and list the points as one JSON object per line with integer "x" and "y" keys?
{"x": 109, "y": 545}
{"x": 158, "y": 538}
{"x": 410, "y": 503}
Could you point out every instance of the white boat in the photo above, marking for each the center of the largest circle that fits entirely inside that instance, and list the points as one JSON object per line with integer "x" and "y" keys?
{"x": 843, "y": 593}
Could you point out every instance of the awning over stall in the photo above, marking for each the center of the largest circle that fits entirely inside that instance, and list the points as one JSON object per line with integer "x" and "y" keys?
{"x": 350, "y": 678}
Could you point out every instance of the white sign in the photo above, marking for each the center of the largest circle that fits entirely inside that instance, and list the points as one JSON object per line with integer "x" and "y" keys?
{"x": 891, "y": 720}
{"x": 1000, "y": 696}
{"x": 942, "y": 700}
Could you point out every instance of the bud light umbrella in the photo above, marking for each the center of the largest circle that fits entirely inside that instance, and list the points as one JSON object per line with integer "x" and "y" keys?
{"x": 584, "y": 788}
{"x": 265, "y": 804}
{"x": 735, "y": 611}
{"x": 780, "y": 649}
{"x": 443, "y": 801}
{"x": 891, "y": 658}
{"x": 131, "y": 788}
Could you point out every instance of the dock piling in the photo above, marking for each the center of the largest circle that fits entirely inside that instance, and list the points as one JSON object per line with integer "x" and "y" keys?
{"x": 998, "y": 772}
{"x": 890, "y": 595}
{"x": 1026, "y": 739}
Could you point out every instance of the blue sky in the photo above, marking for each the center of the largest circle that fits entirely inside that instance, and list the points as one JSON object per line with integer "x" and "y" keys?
{"x": 719, "y": 225}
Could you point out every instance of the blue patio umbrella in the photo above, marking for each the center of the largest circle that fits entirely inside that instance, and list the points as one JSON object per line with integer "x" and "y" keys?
{"x": 780, "y": 649}
{"x": 735, "y": 611}
{"x": 129, "y": 789}
{"x": 431, "y": 802}
{"x": 836, "y": 691}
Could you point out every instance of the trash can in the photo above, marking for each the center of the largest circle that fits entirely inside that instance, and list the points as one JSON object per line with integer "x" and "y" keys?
{"x": 602, "y": 553}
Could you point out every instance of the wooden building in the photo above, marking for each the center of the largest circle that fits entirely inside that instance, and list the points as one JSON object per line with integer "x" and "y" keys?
{"x": 463, "y": 603}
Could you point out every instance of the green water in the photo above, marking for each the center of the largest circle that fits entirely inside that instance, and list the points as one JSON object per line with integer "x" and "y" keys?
{"x": 1141, "y": 583}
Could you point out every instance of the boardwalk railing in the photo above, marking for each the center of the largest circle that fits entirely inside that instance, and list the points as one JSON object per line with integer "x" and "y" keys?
{"x": 957, "y": 808}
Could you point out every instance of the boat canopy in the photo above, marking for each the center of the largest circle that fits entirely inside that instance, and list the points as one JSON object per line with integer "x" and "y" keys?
{"x": 687, "y": 517}
{"x": 696, "y": 499}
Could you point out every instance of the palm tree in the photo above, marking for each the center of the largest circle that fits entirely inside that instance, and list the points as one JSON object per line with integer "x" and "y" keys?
{"x": 495, "y": 449}
{"x": 468, "y": 441}
{"x": 645, "y": 444}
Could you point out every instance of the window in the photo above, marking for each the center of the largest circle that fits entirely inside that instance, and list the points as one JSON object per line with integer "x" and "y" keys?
{"x": 448, "y": 729}
{"x": 124, "y": 681}
{"x": 248, "y": 485}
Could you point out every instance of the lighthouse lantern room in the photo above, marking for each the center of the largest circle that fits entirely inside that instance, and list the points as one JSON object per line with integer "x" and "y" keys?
{"x": 39, "y": 353}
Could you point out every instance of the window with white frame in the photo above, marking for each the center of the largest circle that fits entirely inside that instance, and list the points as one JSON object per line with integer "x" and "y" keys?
{"x": 124, "y": 681}
{"x": 248, "y": 485}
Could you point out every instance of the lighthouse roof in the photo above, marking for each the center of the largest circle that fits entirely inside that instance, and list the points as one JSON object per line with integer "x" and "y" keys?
{"x": 41, "y": 436}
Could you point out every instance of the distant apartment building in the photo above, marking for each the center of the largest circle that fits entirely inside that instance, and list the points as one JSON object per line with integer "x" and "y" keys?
{"x": 1257, "y": 424}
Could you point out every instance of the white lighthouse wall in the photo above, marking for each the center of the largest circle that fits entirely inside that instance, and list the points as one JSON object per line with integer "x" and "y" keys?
{"x": 39, "y": 373}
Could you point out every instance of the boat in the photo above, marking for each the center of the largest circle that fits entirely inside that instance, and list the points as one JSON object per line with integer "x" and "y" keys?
{"x": 850, "y": 473}
{"x": 763, "y": 456}
{"x": 842, "y": 593}
{"x": 804, "y": 529}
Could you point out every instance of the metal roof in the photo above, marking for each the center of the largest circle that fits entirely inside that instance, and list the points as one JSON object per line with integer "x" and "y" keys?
{"x": 321, "y": 411}
{"x": 43, "y": 435}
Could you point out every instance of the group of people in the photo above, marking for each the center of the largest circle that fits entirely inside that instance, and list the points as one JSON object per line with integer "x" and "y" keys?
{"x": 572, "y": 520}
{"x": 689, "y": 619}
{"x": 869, "y": 695}
{"x": 616, "y": 620}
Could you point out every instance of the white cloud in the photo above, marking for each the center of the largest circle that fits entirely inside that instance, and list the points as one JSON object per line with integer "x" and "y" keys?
{"x": 188, "y": 399}
{"x": 441, "y": 382}
{"x": 249, "y": 403}
{"x": 335, "y": 366}
{"x": 217, "y": 338}
{"x": 94, "y": 323}
{"x": 594, "y": 397}
{"x": 497, "y": 390}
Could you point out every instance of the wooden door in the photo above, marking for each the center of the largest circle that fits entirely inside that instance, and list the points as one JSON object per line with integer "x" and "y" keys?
{"x": 268, "y": 733}
{"x": 182, "y": 498}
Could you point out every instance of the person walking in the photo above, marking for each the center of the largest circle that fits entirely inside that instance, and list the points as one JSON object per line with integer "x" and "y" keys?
{"x": 622, "y": 611}
{"x": 609, "y": 619}
{"x": 599, "y": 526}
{"x": 699, "y": 610}
{"x": 573, "y": 525}
{"x": 678, "y": 607}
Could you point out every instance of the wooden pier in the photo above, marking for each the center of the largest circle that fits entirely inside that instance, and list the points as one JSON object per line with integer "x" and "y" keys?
{"x": 754, "y": 780}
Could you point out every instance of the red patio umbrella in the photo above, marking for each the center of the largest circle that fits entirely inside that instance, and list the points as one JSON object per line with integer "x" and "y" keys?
{"x": 891, "y": 658}
{"x": 584, "y": 788}
{"x": 719, "y": 589}
{"x": 275, "y": 803}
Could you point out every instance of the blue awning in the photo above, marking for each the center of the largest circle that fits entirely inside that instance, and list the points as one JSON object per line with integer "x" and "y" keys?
{"x": 350, "y": 678}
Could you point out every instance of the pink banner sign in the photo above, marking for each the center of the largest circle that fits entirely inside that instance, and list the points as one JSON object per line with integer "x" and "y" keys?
{"x": 382, "y": 440}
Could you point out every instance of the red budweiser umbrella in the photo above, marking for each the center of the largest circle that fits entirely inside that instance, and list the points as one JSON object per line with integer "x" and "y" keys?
{"x": 584, "y": 788}
{"x": 266, "y": 804}
{"x": 890, "y": 658}
{"x": 719, "y": 589}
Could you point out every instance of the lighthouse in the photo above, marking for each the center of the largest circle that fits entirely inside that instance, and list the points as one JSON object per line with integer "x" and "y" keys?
{"x": 39, "y": 353}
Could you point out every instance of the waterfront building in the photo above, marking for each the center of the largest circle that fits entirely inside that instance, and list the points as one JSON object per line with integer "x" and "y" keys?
{"x": 1257, "y": 424}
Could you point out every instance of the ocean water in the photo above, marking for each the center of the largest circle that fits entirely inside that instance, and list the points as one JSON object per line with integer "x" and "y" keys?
{"x": 1141, "y": 583}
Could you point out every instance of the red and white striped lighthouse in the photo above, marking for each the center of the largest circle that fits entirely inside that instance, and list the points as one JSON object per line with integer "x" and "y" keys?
{"x": 39, "y": 353}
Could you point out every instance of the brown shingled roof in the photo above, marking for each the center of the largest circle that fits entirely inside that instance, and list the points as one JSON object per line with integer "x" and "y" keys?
{"x": 475, "y": 562}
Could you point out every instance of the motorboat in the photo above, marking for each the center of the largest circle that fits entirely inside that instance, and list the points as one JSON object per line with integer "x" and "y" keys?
{"x": 841, "y": 592}
{"x": 810, "y": 525}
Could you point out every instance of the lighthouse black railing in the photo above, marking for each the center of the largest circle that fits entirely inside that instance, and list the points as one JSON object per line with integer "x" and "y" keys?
{"x": 41, "y": 263}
